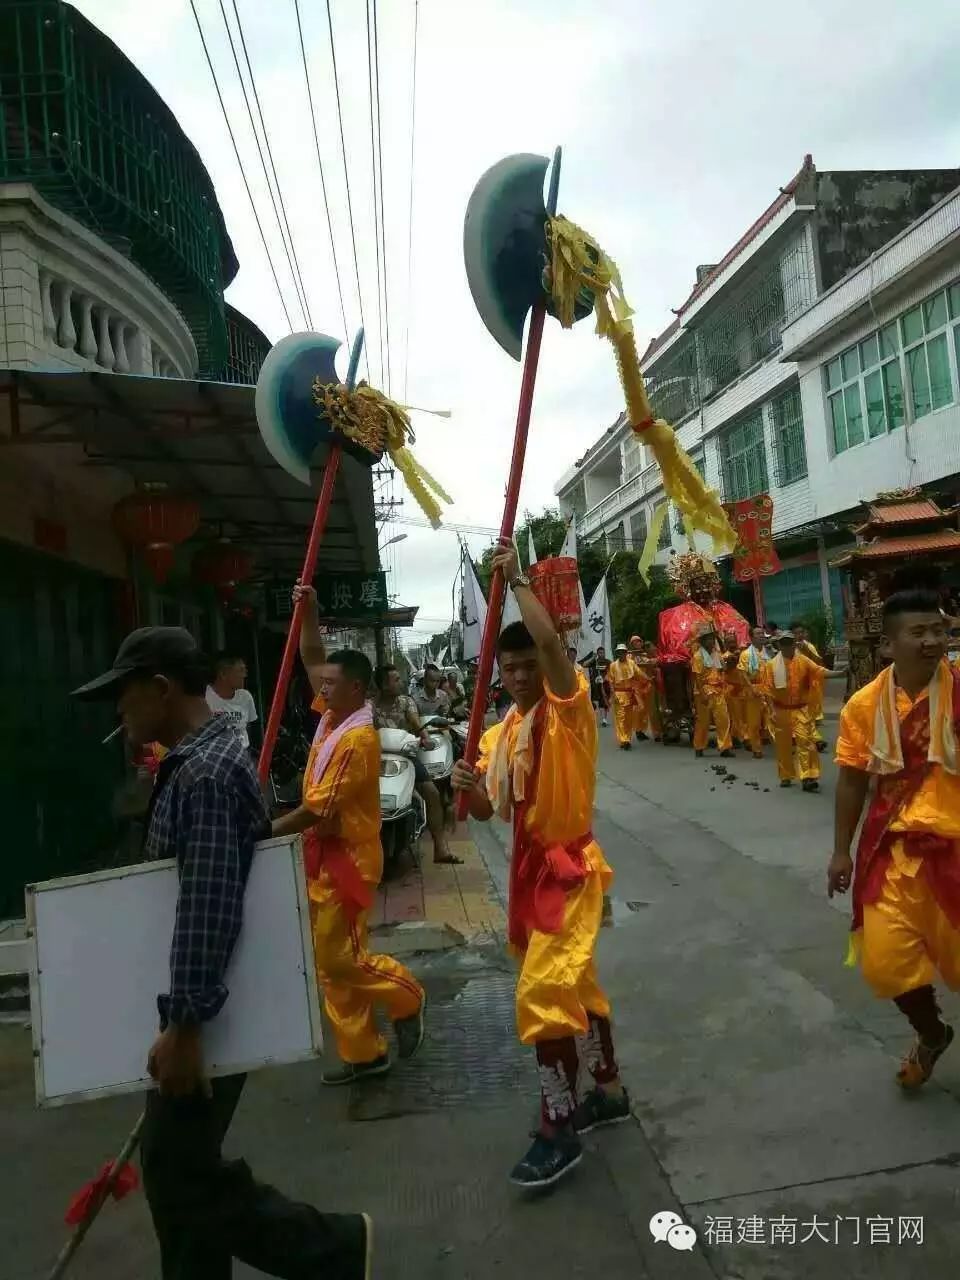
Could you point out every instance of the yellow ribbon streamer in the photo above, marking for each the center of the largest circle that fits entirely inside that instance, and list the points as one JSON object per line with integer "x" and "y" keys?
{"x": 577, "y": 263}
{"x": 652, "y": 542}
{"x": 380, "y": 425}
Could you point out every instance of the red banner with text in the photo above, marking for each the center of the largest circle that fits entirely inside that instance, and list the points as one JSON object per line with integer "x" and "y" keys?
{"x": 754, "y": 555}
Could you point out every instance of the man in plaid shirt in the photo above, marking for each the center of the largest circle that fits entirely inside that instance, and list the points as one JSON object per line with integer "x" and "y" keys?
{"x": 207, "y": 812}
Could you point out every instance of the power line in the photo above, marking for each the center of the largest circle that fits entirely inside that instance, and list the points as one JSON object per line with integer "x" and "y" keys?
{"x": 297, "y": 283}
{"x": 413, "y": 129}
{"x": 346, "y": 179}
{"x": 273, "y": 167}
{"x": 243, "y": 175}
{"x": 383, "y": 223}
{"x": 323, "y": 183}
{"x": 373, "y": 170}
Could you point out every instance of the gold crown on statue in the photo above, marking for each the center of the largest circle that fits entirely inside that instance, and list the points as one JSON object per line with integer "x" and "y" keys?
{"x": 694, "y": 566}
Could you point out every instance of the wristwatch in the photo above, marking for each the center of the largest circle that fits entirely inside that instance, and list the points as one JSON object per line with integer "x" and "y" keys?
{"x": 521, "y": 580}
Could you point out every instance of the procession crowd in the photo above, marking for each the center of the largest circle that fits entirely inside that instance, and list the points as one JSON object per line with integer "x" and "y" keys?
{"x": 769, "y": 691}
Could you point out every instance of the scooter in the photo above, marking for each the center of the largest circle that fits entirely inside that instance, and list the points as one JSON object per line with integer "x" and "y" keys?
{"x": 402, "y": 812}
{"x": 438, "y": 758}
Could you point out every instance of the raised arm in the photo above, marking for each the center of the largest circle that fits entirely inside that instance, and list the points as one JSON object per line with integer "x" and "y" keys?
{"x": 313, "y": 651}
{"x": 560, "y": 672}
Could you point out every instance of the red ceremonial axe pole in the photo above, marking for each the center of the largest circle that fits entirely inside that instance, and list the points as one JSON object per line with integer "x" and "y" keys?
{"x": 491, "y": 628}
{"x": 292, "y": 645}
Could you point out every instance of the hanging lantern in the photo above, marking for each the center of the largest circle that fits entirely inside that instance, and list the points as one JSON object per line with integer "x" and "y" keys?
{"x": 154, "y": 522}
{"x": 556, "y": 584}
{"x": 222, "y": 565}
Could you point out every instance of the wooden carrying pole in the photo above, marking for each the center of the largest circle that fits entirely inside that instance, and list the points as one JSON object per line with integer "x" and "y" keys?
{"x": 292, "y": 645}
{"x": 491, "y": 627}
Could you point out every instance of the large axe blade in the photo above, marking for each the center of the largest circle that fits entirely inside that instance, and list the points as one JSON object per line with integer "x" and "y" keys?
{"x": 291, "y": 422}
{"x": 292, "y": 425}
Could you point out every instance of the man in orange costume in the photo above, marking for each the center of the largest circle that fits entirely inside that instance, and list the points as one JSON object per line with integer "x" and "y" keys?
{"x": 340, "y": 819}
{"x": 751, "y": 664}
{"x": 809, "y": 650}
{"x": 791, "y": 681}
{"x": 622, "y": 676}
{"x": 708, "y": 676}
{"x": 902, "y": 730}
{"x": 736, "y": 689}
{"x": 538, "y": 770}
{"x": 647, "y": 717}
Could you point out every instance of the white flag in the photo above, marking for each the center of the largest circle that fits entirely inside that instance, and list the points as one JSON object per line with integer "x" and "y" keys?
{"x": 569, "y": 547}
{"x": 531, "y": 549}
{"x": 473, "y": 612}
{"x": 595, "y": 630}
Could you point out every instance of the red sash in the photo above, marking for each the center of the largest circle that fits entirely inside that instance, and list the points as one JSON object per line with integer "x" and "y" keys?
{"x": 541, "y": 875}
{"x": 892, "y": 794}
{"x": 331, "y": 855}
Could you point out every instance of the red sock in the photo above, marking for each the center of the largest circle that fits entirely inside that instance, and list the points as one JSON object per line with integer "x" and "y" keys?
{"x": 557, "y": 1065}
{"x": 600, "y": 1057}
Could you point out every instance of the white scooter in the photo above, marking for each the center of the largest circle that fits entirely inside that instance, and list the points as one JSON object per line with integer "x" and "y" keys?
{"x": 402, "y": 812}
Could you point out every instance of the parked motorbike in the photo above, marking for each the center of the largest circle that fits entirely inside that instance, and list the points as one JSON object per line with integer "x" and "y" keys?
{"x": 438, "y": 758}
{"x": 402, "y": 812}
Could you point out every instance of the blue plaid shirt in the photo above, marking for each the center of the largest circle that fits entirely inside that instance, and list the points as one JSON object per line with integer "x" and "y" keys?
{"x": 205, "y": 811}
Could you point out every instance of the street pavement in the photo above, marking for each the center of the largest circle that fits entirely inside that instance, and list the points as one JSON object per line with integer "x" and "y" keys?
{"x": 761, "y": 1072}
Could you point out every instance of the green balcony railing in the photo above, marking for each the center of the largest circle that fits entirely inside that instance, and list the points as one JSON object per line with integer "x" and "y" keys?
{"x": 80, "y": 122}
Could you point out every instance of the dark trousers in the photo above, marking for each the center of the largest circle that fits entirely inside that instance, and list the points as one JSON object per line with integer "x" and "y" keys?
{"x": 207, "y": 1210}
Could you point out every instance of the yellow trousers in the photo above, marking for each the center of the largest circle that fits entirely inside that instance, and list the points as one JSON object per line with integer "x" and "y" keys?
{"x": 355, "y": 982}
{"x": 907, "y": 940}
{"x": 625, "y": 719}
{"x": 754, "y": 711}
{"x": 795, "y": 743}
{"x": 737, "y": 709}
{"x": 558, "y": 984}
{"x": 711, "y": 706}
{"x": 648, "y": 719}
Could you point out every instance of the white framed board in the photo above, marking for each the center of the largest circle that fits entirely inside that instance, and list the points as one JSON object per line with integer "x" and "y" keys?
{"x": 100, "y": 955}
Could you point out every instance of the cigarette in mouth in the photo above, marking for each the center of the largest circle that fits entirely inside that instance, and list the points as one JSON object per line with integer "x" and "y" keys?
{"x": 110, "y": 736}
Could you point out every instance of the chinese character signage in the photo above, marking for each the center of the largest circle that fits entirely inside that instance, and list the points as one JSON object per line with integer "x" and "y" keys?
{"x": 752, "y": 520}
{"x": 351, "y": 596}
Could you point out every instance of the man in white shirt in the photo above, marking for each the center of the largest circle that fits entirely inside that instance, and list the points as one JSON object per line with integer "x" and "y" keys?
{"x": 227, "y": 695}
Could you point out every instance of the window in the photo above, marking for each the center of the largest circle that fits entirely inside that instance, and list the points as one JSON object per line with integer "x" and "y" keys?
{"x": 633, "y": 459}
{"x": 743, "y": 459}
{"x": 927, "y": 352}
{"x": 791, "y": 454}
{"x": 665, "y": 540}
{"x": 638, "y": 530}
{"x": 865, "y": 390}
{"x": 615, "y": 540}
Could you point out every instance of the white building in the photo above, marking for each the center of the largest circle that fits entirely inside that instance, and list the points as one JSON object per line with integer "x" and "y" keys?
{"x": 790, "y": 368}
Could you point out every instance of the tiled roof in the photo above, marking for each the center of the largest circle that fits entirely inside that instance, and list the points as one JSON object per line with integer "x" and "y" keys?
{"x": 921, "y": 543}
{"x": 905, "y": 512}
{"x": 767, "y": 216}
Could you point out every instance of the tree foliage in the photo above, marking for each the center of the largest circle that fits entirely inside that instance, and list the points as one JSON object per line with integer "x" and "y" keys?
{"x": 549, "y": 530}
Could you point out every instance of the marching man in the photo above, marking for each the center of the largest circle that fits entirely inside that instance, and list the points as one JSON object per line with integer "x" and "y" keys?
{"x": 538, "y": 770}
{"x": 751, "y": 664}
{"x": 901, "y": 730}
{"x": 622, "y": 676}
{"x": 792, "y": 681}
{"x": 708, "y": 674}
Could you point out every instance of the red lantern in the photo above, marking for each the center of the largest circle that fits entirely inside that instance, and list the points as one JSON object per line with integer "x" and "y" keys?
{"x": 222, "y": 565}
{"x": 556, "y": 584}
{"x": 154, "y": 522}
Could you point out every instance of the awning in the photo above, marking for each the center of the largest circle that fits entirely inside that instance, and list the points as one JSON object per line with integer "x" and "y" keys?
{"x": 945, "y": 543}
{"x": 201, "y": 439}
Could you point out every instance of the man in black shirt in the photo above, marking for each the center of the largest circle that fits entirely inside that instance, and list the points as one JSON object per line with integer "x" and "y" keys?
{"x": 207, "y": 812}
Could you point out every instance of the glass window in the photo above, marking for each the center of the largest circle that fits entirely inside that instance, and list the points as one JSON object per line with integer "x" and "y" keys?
{"x": 911, "y": 326}
{"x": 839, "y": 420}
{"x": 833, "y": 374}
{"x": 935, "y": 312}
{"x": 744, "y": 459}
{"x": 954, "y": 292}
{"x": 893, "y": 388}
{"x": 791, "y": 455}
{"x": 919, "y": 382}
{"x": 938, "y": 361}
{"x": 889, "y": 344}
{"x": 638, "y": 530}
{"x": 850, "y": 363}
{"x": 870, "y": 352}
{"x": 876, "y": 418}
{"x": 666, "y": 538}
{"x": 854, "y": 408}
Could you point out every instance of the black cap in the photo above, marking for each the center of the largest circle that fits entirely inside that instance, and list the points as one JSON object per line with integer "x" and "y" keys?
{"x": 150, "y": 649}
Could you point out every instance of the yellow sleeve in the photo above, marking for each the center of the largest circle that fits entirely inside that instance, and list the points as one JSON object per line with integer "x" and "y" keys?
{"x": 696, "y": 664}
{"x": 342, "y": 779}
{"x": 853, "y": 738}
{"x": 577, "y": 708}
{"x": 487, "y": 743}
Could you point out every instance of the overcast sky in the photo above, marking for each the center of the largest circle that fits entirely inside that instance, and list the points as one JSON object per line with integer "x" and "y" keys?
{"x": 679, "y": 120}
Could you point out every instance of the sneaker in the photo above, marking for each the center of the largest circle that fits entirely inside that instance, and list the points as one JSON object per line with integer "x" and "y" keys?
{"x": 625, "y": 746}
{"x": 810, "y": 784}
{"x": 917, "y": 1067}
{"x": 352, "y": 1072}
{"x": 786, "y": 782}
{"x": 641, "y": 737}
{"x": 821, "y": 746}
{"x": 409, "y": 1032}
{"x": 698, "y": 754}
{"x": 726, "y": 755}
{"x": 604, "y": 722}
{"x": 547, "y": 1160}
{"x": 600, "y": 1108}
{"x": 368, "y": 1260}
